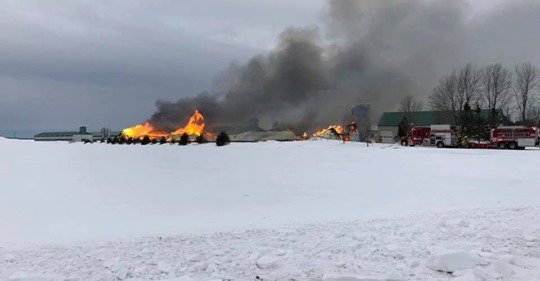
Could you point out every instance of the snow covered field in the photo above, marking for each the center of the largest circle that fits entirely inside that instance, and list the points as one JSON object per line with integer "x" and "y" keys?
{"x": 302, "y": 210}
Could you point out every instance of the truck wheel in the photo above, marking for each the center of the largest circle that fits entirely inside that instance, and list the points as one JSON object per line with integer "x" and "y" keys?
{"x": 440, "y": 144}
{"x": 513, "y": 145}
{"x": 502, "y": 145}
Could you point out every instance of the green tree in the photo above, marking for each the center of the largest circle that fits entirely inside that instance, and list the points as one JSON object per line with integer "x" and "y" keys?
{"x": 184, "y": 139}
{"x": 201, "y": 139}
{"x": 479, "y": 125}
{"x": 465, "y": 121}
{"x": 404, "y": 127}
{"x": 145, "y": 140}
{"x": 222, "y": 139}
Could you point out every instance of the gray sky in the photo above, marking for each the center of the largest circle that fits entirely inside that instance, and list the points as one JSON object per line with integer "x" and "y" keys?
{"x": 105, "y": 63}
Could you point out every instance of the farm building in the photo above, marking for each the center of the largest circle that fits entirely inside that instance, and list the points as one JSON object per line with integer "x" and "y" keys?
{"x": 254, "y": 136}
{"x": 388, "y": 125}
{"x": 80, "y": 135}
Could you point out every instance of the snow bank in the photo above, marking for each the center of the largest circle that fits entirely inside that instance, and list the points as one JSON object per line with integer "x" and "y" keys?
{"x": 493, "y": 242}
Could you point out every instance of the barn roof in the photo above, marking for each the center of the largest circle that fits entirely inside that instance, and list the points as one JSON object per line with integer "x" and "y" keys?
{"x": 421, "y": 118}
{"x": 56, "y": 134}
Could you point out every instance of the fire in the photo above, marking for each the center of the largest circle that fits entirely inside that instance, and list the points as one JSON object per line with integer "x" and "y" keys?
{"x": 142, "y": 130}
{"x": 327, "y": 132}
{"x": 195, "y": 126}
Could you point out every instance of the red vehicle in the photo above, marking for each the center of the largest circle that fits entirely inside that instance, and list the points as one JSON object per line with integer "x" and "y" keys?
{"x": 435, "y": 135}
{"x": 514, "y": 137}
{"x": 416, "y": 136}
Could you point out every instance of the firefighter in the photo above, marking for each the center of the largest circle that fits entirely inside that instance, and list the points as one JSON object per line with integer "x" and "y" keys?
{"x": 465, "y": 142}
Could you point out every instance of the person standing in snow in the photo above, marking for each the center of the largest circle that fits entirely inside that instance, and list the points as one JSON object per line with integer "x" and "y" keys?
{"x": 465, "y": 142}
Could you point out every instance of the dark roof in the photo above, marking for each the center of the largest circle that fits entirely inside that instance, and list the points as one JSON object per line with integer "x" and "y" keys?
{"x": 421, "y": 118}
{"x": 70, "y": 134}
{"x": 56, "y": 134}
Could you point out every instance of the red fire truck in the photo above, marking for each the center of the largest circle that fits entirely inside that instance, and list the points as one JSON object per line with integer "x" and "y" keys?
{"x": 416, "y": 136}
{"x": 503, "y": 137}
{"x": 434, "y": 135}
{"x": 514, "y": 137}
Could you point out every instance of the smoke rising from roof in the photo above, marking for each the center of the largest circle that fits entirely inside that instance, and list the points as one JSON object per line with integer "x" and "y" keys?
{"x": 373, "y": 52}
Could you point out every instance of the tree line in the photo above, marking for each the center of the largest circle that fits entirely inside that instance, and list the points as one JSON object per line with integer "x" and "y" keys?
{"x": 466, "y": 91}
{"x": 221, "y": 139}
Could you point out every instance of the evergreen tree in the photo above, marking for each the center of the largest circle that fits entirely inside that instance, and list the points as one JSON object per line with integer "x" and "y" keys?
{"x": 222, "y": 139}
{"x": 162, "y": 140}
{"x": 121, "y": 139}
{"x": 184, "y": 139}
{"x": 466, "y": 120}
{"x": 480, "y": 126}
{"x": 200, "y": 139}
{"x": 145, "y": 140}
{"x": 494, "y": 118}
{"x": 404, "y": 127}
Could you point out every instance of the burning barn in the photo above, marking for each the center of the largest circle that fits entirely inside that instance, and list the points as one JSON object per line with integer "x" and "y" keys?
{"x": 194, "y": 127}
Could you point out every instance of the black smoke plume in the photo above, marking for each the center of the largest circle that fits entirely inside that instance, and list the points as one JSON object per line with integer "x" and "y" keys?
{"x": 372, "y": 52}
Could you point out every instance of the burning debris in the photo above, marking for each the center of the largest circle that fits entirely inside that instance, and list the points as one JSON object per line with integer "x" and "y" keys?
{"x": 194, "y": 128}
{"x": 337, "y": 132}
{"x": 332, "y": 132}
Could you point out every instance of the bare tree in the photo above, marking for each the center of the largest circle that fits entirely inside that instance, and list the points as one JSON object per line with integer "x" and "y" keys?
{"x": 459, "y": 88}
{"x": 444, "y": 95}
{"x": 524, "y": 88}
{"x": 533, "y": 115}
{"x": 496, "y": 83}
{"x": 410, "y": 104}
{"x": 457, "y": 94}
{"x": 468, "y": 85}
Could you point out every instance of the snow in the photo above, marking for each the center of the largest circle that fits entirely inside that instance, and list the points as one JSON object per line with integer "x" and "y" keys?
{"x": 312, "y": 210}
{"x": 268, "y": 262}
{"x": 452, "y": 262}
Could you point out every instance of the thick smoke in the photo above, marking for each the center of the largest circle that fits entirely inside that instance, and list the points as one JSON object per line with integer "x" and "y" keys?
{"x": 371, "y": 52}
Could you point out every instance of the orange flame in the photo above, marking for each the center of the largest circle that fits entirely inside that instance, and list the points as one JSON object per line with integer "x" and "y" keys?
{"x": 327, "y": 133}
{"x": 142, "y": 130}
{"x": 195, "y": 126}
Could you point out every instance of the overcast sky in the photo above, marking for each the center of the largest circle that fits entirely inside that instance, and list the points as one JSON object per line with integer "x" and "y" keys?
{"x": 105, "y": 63}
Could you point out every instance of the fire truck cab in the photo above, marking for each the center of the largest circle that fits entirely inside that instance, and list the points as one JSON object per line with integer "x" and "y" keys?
{"x": 434, "y": 135}
{"x": 514, "y": 137}
{"x": 417, "y": 136}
